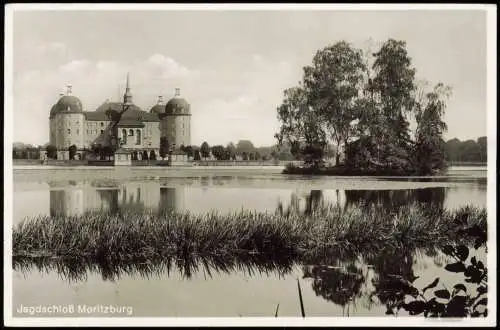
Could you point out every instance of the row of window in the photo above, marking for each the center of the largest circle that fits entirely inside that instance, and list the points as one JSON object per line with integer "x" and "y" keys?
{"x": 131, "y": 133}
{"x": 78, "y": 131}
{"x": 93, "y": 123}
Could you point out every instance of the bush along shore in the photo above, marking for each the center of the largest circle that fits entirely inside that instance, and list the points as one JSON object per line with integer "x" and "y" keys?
{"x": 343, "y": 170}
{"x": 147, "y": 236}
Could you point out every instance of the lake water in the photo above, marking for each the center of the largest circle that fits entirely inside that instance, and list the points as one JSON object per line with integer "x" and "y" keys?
{"x": 225, "y": 288}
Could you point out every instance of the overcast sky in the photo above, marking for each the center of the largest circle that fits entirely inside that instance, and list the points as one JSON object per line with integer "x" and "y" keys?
{"x": 232, "y": 67}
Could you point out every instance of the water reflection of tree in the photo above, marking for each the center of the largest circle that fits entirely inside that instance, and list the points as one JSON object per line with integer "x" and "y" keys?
{"x": 336, "y": 284}
{"x": 392, "y": 267}
{"x": 109, "y": 197}
{"x": 433, "y": 198}
{"x": 314, "y": 200}
{"x": 392, "y": 200}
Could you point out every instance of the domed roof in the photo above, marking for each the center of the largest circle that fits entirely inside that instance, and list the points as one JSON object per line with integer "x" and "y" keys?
{"x": 67, "y": 104}
{"x": 157, "y": 108}
{"x": 177, "y": 106}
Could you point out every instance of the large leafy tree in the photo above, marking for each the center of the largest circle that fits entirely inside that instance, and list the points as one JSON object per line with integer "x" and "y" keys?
{"x": 333, "y": 83}
{"x": 394, "y": 88}
{"x": 301, "y": 127}
{"x": 429, "y": 145}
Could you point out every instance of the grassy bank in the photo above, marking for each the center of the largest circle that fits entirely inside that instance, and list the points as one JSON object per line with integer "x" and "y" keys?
{"x": 346, "y": 171}
{"x": 146, "y": 236}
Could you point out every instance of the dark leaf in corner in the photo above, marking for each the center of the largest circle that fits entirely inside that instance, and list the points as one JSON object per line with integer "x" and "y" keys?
{"x": 481, "y": 289}
{"x": 415, "y": 307}
{"x": 432, "y": 285}
{"x": 457, "y": 267}
{"x": 459, "y": 287}
{"x": 483, "y": 301}
{"x": 462, "y": 252}
{"x": 478, "y": 244}
{"x": 456, "y": 307}
{"x": 448, "y": 250}
{"x": 445, "y": 294}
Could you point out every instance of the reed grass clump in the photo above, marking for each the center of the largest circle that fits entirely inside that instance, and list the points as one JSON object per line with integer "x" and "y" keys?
{"x": 148, "y": 236}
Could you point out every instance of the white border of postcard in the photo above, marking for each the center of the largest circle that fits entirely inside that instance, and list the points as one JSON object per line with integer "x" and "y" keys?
{"x": 9, "y": 320}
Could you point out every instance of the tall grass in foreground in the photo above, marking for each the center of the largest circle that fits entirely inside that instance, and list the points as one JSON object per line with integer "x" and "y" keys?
{"x": 128, "y": 236}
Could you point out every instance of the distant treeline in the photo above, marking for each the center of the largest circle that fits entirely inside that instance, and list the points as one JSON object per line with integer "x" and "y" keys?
{"x": 457, "y": 151}
{"x": 466, "y": 151}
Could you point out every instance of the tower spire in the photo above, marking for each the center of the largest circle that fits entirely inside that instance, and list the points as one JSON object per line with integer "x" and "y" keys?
{"x": 128, "y": 95}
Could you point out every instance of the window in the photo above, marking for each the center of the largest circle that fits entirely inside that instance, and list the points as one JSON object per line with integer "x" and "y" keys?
{"x": 124, "y": 136}
{"x": 77, "y": 132}
{"x": 131, "y": 132}
{"x": 102, "y": 124}
{"x": 69, "y": 131}
{"x": 102, "y": 131}
{"x": 138, "y": 137}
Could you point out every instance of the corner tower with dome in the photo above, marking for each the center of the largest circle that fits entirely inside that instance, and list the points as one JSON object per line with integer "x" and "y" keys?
{"x": 118, "y": 125}
{"x": 175, "y": 122}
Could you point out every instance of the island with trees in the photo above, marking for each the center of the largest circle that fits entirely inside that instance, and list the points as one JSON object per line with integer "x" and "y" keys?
{"x": 363, "y": 103}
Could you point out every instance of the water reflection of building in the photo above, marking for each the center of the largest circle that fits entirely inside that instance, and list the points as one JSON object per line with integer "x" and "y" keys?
{"x": 130, "y": 196}
{"x": 172, "y": 199}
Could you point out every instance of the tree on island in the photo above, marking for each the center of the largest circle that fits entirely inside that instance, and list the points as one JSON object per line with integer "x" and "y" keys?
{"x": 364, "y": 112}
{"x": 301, "y": 127}
{"x": 429, "y": 155}
{"x": 332, "y": 84}
{"x": 205, "y": 150}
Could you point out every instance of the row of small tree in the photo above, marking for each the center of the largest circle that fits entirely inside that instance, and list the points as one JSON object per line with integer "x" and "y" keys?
{"x": 362, "y": 103}
{"x": 467, "y": 151}
{"x": 245, "y": 149}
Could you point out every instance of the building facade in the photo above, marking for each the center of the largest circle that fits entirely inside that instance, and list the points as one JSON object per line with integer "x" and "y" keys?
{"x": 120, "y": 124}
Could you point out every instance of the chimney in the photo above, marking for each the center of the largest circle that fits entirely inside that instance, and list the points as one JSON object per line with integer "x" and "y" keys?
{"x": 160, "y": 99}
{"x": 177, "y": 92}
{"x": 68, "y": 89}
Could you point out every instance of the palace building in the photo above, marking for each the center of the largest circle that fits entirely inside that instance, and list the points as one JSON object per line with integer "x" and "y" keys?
{"x": 137, "y": 131}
